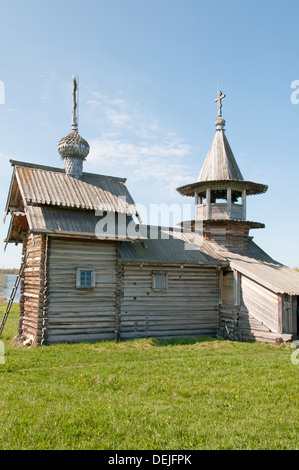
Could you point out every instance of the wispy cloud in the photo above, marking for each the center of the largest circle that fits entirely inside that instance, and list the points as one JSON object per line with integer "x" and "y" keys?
{"x": 133, "y": 141}
{"x": 5, "y": 175}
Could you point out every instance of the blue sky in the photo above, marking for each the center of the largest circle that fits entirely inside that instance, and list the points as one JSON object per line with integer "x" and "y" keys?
{"x": 148, "y": 75}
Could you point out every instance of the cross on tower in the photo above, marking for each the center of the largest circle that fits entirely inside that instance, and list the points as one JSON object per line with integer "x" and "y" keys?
{"x": 75, "y": 119}
{"x": 220, "y": 97}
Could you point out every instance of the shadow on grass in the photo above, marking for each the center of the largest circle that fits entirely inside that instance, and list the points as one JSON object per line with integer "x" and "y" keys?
{"x": 181, "y": 341}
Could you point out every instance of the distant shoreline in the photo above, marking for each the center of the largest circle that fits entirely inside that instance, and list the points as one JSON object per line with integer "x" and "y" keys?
{"x": 6, "y": 287}
{"x": 9, "y": 270}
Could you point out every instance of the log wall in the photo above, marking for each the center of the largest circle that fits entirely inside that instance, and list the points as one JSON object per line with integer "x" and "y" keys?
{"x": 32, "y": 288}
{"x": 188, "y": 306}
{"x": 124, "y": 305}
{"x": 234, "y": 237}
{"x": 80, "y": 314}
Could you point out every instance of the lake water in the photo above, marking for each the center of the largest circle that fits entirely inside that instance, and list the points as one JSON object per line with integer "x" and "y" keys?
{"x": 10, "y": 283}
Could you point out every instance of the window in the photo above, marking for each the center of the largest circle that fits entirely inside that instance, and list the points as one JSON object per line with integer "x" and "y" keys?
{"x": 159, "y": 281}
{"x": 85, "y": 278}
{"x": 237, "y": 197}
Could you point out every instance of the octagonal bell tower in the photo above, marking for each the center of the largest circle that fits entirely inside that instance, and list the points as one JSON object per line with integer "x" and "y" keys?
{"x": 220, "y": 193}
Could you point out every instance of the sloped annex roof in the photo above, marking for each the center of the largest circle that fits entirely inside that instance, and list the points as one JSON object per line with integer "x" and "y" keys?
{"x": 41, "y": 185}
{"x": 260, "y": 267}
{"x": 171, "y": 246}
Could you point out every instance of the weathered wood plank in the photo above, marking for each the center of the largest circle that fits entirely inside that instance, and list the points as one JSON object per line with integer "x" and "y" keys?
{"x": 75, "y": 314}
{"x": 261, "y": 303}
{"x": 187, "y": 307}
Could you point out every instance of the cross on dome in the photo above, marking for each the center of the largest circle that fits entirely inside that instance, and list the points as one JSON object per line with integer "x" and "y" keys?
{"x": 220, "y": 97}
{"x": 74, "y": 117}
{"x": 73, "y": 148}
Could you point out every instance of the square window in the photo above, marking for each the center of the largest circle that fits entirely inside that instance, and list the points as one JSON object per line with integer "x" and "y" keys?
{"x": 85, "y": 278}
{"x": 159, "y": 281}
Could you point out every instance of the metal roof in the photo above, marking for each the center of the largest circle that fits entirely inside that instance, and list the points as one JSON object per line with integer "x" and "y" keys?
{"x": 82, "y": 223}
{"x": 171, "y": 246}
{"x": 260, "y": 267}
{"x": 41, "y": 185}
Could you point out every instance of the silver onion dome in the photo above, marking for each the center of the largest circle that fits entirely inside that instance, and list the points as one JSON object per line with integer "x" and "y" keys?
{"x": 73, "y": 145}
{"x": 73, "y": 148}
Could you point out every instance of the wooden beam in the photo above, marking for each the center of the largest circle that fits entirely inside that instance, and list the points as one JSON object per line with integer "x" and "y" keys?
{"x": 208, "y": 194}
{"x": 237, "y": 288}
{"x": 229, "y": 202}
{"x": 244, "y": 203}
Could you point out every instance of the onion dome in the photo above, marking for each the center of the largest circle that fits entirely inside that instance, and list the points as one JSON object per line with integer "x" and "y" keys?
{"x": 73, "y": 145}
{"x": 73, "y": 148}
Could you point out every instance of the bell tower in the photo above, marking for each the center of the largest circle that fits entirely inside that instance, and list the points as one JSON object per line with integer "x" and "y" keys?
{"x": 221, "y": 192}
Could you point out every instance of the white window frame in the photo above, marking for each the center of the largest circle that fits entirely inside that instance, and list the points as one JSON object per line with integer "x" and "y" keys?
{"x": 78, "y": 278}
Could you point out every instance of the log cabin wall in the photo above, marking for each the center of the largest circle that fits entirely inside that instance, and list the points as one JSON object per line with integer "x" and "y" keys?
{"x": 254, "y": 309}
{"x": 261, "y": 304}
{"x": 230, "y": 235}
{"x": 75, "y": 314}
{"x": 187, "y": 307}
{"x": 32, "y": 288}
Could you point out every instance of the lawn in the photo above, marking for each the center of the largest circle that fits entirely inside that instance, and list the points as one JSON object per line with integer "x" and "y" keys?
{"x": 198, "y": 393}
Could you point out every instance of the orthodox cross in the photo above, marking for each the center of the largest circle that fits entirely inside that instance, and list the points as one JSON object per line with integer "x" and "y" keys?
{"x": 75, "y": 88}
{"x": 220, "y": 97}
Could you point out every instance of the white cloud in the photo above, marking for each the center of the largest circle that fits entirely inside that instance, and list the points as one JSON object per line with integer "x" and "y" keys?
{"x": 12, "y": 110}
{"x": 134, "y": 143}
{"x": 159, "y": 163}
{"x": 119, "y": 117}
{"x": 112, "y": 152}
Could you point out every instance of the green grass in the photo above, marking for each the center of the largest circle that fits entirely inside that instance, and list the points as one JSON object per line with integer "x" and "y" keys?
{"x": 198, "y": 393}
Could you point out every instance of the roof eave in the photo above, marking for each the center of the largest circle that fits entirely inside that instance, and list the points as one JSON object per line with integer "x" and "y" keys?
{"x": 9, "y": 194}
{"x": 16, "y": 163}
{"x": 252, "y": 188}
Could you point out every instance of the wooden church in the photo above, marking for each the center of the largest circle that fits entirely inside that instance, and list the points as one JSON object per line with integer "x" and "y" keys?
{"x": 93, "y": 272}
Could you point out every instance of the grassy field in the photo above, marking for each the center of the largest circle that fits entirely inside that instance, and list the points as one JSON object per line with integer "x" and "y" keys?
{"x": 199, "y": 393}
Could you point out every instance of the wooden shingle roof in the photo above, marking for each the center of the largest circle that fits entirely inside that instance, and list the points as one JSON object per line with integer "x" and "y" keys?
{"x": 220, "y": 170}
{"x": 220, "y": 163}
